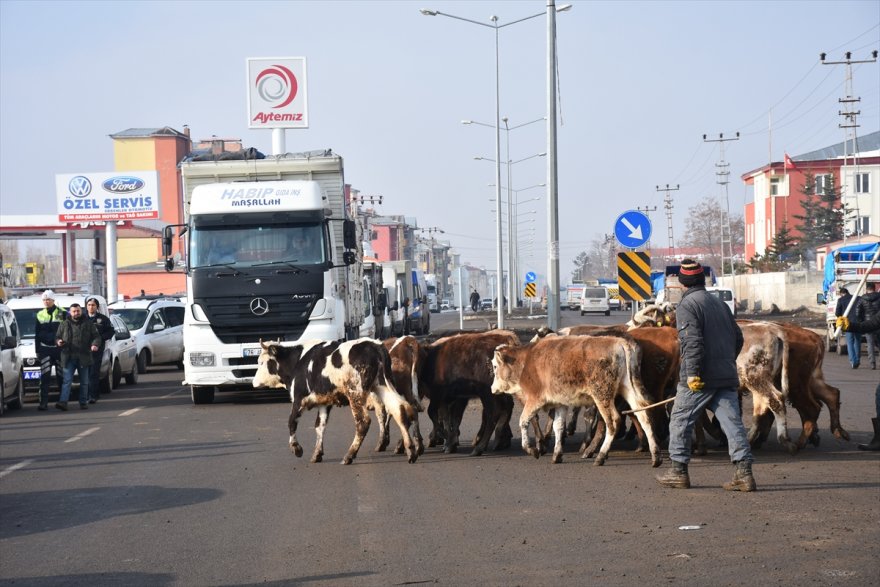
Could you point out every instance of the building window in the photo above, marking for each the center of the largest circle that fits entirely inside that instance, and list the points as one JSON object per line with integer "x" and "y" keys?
{"x": 774, "y": 185}
{"x": 823, "y": 182}
{"x": 863, "y": 183}
{"x": 864, "y": 225}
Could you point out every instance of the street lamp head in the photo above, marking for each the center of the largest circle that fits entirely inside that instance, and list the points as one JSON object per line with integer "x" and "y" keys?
{"x": 467, "y": 121}
{"x": 427, "y": 12}
{"x": 563, "y": 8}
{"x": 493, "y": 18}
{"x": 504, "y": 119}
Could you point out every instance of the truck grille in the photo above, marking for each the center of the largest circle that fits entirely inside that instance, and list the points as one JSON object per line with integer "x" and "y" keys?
{"x": 233, "y": 322}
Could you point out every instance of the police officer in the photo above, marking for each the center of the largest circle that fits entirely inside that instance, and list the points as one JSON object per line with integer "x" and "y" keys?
{"x": 48, "y": 320}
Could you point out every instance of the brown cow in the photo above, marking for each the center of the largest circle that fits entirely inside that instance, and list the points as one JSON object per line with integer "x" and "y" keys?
{"x": 457, "y": 369}
{"x": 562, "y": 372}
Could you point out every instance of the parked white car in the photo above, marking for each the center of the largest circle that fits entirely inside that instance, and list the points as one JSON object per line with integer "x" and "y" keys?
{"x": 157, "y": 326}
{"x": 123, "y": 353}
{"x": 11, "y": 380}
{"x": 26, "y": 309}
{"x": 725, "y": 294}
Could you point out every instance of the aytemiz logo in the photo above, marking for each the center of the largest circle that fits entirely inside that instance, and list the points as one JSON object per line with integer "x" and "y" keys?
{"x": 276, "y": 84}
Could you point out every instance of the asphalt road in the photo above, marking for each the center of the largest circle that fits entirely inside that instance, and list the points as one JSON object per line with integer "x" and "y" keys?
{"x": 145, "y": 488}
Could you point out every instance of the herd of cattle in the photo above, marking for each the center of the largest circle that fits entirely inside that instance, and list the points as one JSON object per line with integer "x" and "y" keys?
{"x": 601, "y": 369}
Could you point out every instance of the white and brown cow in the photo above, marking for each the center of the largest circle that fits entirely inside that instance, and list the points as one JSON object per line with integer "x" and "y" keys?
{"x": 407, "y": 357}
{"x": 569, "y": 371}
{"x": 326, "y": 374}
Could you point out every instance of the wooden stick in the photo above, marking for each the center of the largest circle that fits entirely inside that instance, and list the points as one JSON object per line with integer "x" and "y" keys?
{"x": 666, "y": 401}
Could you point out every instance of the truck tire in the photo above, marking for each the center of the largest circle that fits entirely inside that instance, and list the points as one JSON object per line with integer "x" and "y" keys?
{"x": 607, "y": 312}
{"x": 841, "y": 349}
{"x": 202, "y": 394}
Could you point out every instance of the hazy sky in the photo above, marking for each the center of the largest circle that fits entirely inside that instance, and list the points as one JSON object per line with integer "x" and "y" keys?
{"x": 640, "y": 83}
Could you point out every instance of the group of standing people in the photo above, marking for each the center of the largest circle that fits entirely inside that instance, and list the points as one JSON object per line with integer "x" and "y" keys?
{"x": 863, "y": 309}
{"x": 73, "y": 340}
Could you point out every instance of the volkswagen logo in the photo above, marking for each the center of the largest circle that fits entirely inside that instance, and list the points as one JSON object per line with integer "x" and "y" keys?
{"x": 259, "y": 306}
{"x": 80, "y": 186}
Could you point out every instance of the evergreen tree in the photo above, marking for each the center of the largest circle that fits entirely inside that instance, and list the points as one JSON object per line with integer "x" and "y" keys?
{"x": 782, "y": 250}
{"x": 822, "y": 220}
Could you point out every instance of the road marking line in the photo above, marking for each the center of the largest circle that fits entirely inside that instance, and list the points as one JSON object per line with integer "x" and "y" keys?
{"x": 82, "y": 435}
{"x": 182, "y": 390}
{"x": 131, "y": 411}
{"x": 15, "y": 467}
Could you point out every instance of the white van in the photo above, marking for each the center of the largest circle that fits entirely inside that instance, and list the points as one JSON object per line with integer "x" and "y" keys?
{"x": 725, "y": 294}
{"x": 595, "y": 298}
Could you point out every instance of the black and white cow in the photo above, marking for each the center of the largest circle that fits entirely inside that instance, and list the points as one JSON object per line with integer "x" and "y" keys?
{"x": 325, "y": 374}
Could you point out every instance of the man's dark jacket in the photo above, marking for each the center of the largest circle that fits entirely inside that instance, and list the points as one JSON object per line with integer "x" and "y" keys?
{"x": 78, "y": 336}
{"x": 710, "y": 340}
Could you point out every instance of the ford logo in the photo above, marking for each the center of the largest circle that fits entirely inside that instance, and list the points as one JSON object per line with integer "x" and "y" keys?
{"x": 123, "y": 184}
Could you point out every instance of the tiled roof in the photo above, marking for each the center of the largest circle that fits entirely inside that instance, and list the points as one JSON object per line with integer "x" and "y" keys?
{"x": 869, "y": 142}
{"x": 147, "y": 132}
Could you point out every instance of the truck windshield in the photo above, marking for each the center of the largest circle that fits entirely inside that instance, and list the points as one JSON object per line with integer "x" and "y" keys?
{"x": 249, "y": 245}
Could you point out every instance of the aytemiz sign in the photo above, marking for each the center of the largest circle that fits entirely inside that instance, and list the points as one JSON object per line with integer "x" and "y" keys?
{"x": 123, "y": 195}
{"x": 277, "y": 96}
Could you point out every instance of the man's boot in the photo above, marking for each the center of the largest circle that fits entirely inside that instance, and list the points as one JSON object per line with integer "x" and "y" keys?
{"x": 742, "y": 479}
{"x": 875, "y": 442}
{"x": 676, "y": 477}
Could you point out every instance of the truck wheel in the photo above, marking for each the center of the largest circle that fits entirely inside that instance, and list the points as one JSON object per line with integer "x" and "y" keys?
{"x": 202, "y": 394}
{"x": 142, "y": 361}
{"x": 607, "y": 312}
{"x": 829, "y": 347}
{"x": 841, "y": 350}
{"x": 582, "y": 312}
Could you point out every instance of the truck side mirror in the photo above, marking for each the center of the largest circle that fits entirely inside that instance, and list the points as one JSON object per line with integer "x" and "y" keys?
{"x": 349, "y": 235}
{"x": 166, "y": 243}
{"x": 349, "y": 257}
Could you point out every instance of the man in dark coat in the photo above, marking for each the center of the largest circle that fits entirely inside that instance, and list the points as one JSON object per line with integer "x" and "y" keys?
{"x": 871, "y": 306}
{"x": 710, "y": 340}
{"x": 78, "y": 338}
{"x": 872, "y": 325}
{"x": 856, "y": 314}
{"x": 105, "y": 330}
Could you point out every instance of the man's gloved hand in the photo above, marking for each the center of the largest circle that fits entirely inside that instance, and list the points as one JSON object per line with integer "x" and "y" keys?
{"x": 843, "y": 323}
{"x": 695, "y": 383}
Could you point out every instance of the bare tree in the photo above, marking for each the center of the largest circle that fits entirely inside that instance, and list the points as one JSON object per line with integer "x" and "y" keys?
{"x": 598, "y": 261}
{"x": 703, "y": 231}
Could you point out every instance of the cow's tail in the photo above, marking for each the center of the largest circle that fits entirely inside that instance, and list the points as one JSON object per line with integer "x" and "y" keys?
{"x": 784, "y": 379}
{"x": 633, "y": 355}
{"x": 389, "y": 395}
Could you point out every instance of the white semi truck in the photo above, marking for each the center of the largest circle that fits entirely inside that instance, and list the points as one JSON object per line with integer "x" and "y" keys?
{"x": 271, "y": 252}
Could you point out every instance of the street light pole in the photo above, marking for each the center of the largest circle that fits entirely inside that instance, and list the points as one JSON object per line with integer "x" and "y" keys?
{"x": 552, "y": 188}
{"x": 510, "y": 228}
{"x": 551, "y": 10}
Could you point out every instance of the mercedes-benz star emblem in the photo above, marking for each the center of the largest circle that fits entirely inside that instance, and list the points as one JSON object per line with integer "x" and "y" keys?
{"x": 259, "y": 306}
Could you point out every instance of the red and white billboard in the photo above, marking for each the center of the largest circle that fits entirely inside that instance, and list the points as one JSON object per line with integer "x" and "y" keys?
{"x": 119, "y": 195}
{"x": 277, "y": 96}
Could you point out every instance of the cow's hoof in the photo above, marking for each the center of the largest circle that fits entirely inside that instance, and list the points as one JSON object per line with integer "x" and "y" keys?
{"x": 815, "y": 439}
{"x": 347, "y": 460}
{"x": 296, "y": 449}
{"x": 656, "y": 461}
{"x": 412, "y": 457}
{"x": 420, "y": 447}
{"x": 600, "y": 460}
{"x": 790, "y": 447}
{"x": 534, "y": 452}
{"x": 450, "y": 450}
{"x": 317, "y": 458}
{"x": 841, "y": 434}
{"x": 502, "y": 444}
{"x": 557, "y": 458}
{"x": 640, "y": 449}
{"x": 477, "y": 452}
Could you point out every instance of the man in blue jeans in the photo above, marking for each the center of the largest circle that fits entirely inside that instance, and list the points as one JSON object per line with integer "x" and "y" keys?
{"x": 856, "y": 314}
{"x": 710, "y": 340}
{"x": 78, "y": 338}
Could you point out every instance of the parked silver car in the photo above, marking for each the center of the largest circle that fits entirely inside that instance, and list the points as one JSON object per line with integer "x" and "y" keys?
{"x": 157, "y": 326}
{"x": 123, "y": 353}
{"x": 11, "y": 381}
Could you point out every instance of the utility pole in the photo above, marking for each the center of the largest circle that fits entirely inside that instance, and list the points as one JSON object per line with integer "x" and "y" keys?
{"x": 647, "y": 212}
{"x": 849, "y": 127}
{"x": 723, "y": 175}
{"x": 667, "y": 205}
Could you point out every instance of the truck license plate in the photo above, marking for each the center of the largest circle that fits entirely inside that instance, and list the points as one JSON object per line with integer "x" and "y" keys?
{"x": 251, "y": 352}
{"x": 31, "y": 374}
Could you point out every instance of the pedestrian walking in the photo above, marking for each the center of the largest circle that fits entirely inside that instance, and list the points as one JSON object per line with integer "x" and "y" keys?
{"x": 475, "y": 300}
{"x": 106, "y": 332}
{"x": 45, "y": 333}
{"x": 710, "y": 340}
{"x": 871, "y": 307}
{"x": 873, "y": 326}
{"x": 856, "y": 314}
{"x": 78, "y": 338}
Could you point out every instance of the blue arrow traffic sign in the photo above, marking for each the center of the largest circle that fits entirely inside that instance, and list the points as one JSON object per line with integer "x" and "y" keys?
{"x": 632, "y": 229}
{"x": 531, "y": 277}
